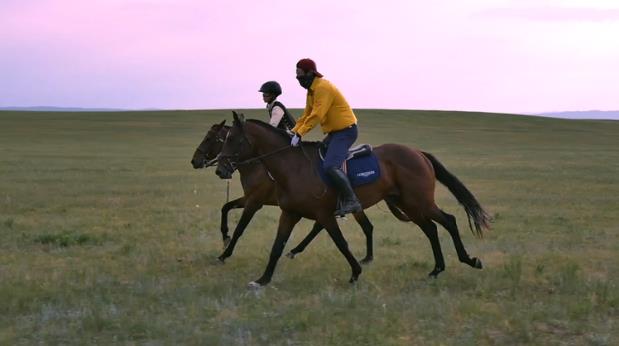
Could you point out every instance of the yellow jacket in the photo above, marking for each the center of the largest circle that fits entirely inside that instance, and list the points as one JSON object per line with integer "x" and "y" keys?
{"x": 325, "y": 104}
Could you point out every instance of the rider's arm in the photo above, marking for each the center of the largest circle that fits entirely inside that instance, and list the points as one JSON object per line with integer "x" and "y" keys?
{"x": 306, "y": 112}
{"x": 322, "y": 100}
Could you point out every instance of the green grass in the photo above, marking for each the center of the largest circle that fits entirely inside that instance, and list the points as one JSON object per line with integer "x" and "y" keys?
{"x": 107, "y": 235}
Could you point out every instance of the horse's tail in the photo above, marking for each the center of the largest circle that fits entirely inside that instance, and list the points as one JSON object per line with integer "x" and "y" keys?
{"x": 473, "y": 209}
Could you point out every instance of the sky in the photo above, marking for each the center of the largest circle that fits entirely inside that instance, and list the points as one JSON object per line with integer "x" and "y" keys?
{"x": 518, "y": 56}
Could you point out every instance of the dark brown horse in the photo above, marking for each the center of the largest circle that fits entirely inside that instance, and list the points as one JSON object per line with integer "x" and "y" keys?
{"x": 407, "y": 180}
{"x": 259, "y": 190}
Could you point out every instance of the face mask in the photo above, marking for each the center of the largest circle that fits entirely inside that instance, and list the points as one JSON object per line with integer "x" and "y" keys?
{"x": 305, "y": 81}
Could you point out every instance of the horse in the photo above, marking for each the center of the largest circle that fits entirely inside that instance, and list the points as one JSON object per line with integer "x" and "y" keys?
{"x": 407, "y": 181}
{"x": 259, "y": 190}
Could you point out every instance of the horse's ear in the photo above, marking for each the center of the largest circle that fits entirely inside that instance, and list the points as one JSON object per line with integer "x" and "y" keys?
{"x": 239, "y": 119}
{"x": 222, "y": 123}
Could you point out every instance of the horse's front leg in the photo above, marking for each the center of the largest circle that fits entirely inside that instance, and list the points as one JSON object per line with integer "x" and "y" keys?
{"x": 237, "y": 203}
{"x": 287, "y": 221}
{"x": 248, "y": 214}
{"x": 330, "y": 224}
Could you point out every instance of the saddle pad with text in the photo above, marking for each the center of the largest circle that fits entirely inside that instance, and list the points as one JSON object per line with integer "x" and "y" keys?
{"x": 360, "y": 170}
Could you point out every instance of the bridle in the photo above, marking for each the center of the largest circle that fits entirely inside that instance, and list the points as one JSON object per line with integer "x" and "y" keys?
{"x": 212, "y": 162}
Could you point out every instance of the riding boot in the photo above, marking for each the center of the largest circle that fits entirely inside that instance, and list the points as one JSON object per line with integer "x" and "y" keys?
{"x": 347, "y": 200}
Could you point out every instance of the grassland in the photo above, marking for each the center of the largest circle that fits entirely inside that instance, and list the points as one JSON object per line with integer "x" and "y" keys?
{"x": 107, "y": 235}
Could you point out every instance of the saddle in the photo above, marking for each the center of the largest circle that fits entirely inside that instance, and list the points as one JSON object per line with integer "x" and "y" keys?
{"x": 354, "y": 152}
{"x": 361, "y": 165}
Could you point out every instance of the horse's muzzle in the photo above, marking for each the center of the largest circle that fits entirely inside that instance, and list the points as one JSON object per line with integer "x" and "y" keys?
{"x": 222, "y": 172}
{"x": 198, "y": 163}
{"x": 225, "y": 167}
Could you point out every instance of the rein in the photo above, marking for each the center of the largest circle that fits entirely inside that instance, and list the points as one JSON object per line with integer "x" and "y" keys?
{"x": 211, "y": 163}
{"x": 260, "y": 157}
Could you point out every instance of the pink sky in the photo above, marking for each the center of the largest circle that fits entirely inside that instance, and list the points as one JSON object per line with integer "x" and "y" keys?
{"x": 486, "y": 55}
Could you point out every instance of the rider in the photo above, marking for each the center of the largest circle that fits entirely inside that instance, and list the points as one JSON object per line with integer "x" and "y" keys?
{"x": 326, "y": 105}
{"x": 278, "y": 114}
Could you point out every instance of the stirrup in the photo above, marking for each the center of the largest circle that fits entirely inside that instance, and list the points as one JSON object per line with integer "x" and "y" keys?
{"x": 339, "y": 212}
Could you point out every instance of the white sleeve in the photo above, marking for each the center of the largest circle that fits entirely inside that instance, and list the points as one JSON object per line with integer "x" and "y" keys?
{"x": 277, "y": 113}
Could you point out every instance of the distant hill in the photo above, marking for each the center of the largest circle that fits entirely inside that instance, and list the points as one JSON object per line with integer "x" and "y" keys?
{"x": 60, "y": 109}
{"x": 593, "y": 114}
{"x": 71, "y": 109}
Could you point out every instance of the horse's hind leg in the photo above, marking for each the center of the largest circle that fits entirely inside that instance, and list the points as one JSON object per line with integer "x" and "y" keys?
{"x": 368, "y": 229}
{"x": 429, "y": 228}
{"x": 449, "y": 222}
{"x": 410, "y": 209}
{"x": 308, "y": 239}
{"x": 392, "y": 204}
{"x": 237, "y": 203}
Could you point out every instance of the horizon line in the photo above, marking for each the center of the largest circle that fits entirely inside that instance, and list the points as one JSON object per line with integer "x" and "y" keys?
{"x": 556, "y": 114}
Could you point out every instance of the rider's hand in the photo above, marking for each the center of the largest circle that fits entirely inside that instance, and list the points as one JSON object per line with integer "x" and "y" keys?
{"x": 296, "y": 140}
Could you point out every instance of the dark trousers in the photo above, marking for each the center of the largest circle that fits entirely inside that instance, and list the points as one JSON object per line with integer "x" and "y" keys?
{"x": 338, "y": 143}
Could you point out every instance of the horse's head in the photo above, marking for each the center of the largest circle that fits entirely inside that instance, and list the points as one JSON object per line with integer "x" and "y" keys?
{"x": 235, "y": 148}
{"x": 210, "y": 147}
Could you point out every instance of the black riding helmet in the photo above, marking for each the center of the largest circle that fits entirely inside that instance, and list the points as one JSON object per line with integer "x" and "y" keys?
{"x": 271, "y": 87}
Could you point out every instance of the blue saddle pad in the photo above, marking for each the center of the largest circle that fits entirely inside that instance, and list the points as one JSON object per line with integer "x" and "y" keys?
{"x": 360, "y": 170}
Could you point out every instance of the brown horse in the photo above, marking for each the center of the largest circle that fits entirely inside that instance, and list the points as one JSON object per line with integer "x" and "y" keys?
{"x": 407, "y": 180}
{"x": 259, "y": 190}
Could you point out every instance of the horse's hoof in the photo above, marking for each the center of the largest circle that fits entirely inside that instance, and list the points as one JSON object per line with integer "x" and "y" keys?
{"x": 254, "y": 285}
{"x": 291, "y": 255}
{"x": 435, "y": 272}
{"x": 477, "y": 263}
{"x": 259, "y": 283}
{"x": 367, "y": 260}
{"x": 355, "y": 274}
{"x": 221, "y": 259}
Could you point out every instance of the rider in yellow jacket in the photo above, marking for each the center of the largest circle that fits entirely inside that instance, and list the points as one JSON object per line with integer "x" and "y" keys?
{"x": 325, "y": 105}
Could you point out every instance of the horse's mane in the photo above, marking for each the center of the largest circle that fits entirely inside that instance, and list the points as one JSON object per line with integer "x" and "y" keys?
{"x": 279, "y": 131}
{"x": 268, "y": 127}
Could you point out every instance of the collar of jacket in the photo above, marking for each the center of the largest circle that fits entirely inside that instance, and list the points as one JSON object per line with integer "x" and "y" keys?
{"x": 315, "y": 82}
